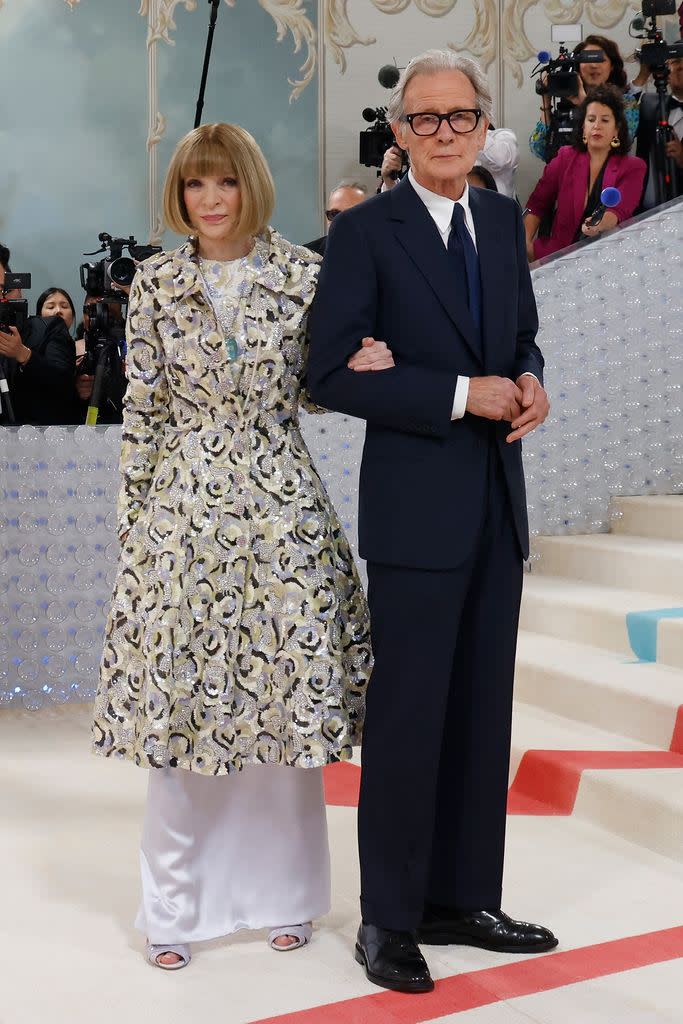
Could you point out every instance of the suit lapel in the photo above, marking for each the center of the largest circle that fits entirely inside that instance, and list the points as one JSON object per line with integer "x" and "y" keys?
{"x": 417, "y": 233}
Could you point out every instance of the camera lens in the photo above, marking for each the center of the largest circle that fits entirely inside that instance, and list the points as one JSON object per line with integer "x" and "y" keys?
{"x": 122, "y": 270}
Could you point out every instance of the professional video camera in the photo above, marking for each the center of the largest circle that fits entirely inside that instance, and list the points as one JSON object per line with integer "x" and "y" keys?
{"x": 106, "y": 317}
{"x": 559, "y": 79}
{"x": 378, "y": 138}
{"x": 13, "y": 312}
{"x": 654, "y": 54}
{"x": 115, "y": 269}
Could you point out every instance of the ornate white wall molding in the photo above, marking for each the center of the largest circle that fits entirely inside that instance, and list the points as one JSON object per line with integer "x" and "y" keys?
{"x": 516, "y": 47}
{"x": 340, "y": 34}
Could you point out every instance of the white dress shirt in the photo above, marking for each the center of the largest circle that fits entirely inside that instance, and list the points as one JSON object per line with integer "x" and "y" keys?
{"x": 440, "y": 209}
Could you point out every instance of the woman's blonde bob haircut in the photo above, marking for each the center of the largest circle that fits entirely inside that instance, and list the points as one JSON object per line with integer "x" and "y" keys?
{"x": 216, "y": 149}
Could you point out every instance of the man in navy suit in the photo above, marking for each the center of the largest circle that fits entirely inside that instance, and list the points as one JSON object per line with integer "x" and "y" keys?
{"x": 438, "y": 271}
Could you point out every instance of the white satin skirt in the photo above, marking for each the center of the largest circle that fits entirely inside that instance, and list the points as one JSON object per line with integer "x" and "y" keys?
{"x": 220, "y": 853}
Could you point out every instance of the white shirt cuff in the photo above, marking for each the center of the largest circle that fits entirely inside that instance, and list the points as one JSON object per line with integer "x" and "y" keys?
{"x": 528, "y": 373}
{"x": 462, "y": 390}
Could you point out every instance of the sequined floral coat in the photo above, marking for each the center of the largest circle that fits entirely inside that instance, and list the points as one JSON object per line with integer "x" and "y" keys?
{"x": 238, "y": 630}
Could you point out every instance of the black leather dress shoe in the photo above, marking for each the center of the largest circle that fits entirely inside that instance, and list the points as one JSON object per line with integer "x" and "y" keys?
{"x": 392, "y": 959}
{"x": 488, "y": 929}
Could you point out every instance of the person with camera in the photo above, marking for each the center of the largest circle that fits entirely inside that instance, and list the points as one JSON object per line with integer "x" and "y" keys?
{"x": 37, "y": 362}
{"x": 237, "y": 651}
{"x": 646, "y": 140}
{"x": 344, "y": 196}
{"x": 573, "y": 181}
{"x": 110, "y": 409}
{"x": 57, "y": 302}
{"x": 608, "y": 71}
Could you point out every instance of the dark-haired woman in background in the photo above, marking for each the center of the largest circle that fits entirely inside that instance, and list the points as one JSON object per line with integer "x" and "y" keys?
{"x": 575, "y": 178}
{"x": 56, "y": 302}
{"x": 609, "y": 71}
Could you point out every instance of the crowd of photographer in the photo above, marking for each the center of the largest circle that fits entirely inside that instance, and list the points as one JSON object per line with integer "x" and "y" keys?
{"x": 593, "y": 119}
{"x": 52, "y": 371}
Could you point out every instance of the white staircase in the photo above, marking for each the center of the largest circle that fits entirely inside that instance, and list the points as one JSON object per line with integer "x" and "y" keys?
{"x": 580, "y": 687}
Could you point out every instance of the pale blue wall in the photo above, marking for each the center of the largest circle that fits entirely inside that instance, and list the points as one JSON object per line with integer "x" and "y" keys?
{"x": 74, "y": 128}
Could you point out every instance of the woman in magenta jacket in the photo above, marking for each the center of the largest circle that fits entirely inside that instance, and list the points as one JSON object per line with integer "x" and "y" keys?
{"x": 573, "y": 181}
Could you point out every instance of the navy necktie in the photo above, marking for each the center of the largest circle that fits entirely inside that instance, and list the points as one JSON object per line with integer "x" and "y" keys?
{"x": 465, "y": 263}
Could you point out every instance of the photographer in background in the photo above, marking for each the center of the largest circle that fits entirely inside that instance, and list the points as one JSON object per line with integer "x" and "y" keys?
{"x": 575, "y": 178}
{"x": 38, "y": 363}
{"x": 111, "y": 402}
{"x": 610, "y": 71}
{"x": 645, "y": 142}
{"x": 342, "y": 197}
{"x": 57, "y": 302}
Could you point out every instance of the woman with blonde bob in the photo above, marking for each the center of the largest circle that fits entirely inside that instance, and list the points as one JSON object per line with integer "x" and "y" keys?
{"x": 236, "y": 654}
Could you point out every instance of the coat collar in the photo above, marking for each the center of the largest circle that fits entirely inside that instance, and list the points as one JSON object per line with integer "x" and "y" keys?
{"x": 273, "y": 263}
{"x": 417, "y": 233}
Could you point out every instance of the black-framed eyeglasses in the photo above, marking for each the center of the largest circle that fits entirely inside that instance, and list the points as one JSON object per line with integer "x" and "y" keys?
{"x": 331, "y": 214}
{"x": 460, "y": 121}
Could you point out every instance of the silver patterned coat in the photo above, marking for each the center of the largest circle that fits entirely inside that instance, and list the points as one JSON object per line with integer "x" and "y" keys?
{"x": 238, "y": 632}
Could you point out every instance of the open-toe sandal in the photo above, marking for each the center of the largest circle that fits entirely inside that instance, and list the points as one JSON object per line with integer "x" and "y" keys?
{"x": 300, "y": 932}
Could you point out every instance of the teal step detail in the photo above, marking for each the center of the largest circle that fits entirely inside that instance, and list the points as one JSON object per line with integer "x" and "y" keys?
{"x": 642, "y": 630}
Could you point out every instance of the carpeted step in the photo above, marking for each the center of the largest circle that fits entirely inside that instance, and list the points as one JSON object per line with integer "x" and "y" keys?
{"x": 657, "y": 516}
{"x": 535, "y": 728}
{"x": 593, "y": 686}
{"x": 585, "y": 613}
{"x": 624, "y": 562}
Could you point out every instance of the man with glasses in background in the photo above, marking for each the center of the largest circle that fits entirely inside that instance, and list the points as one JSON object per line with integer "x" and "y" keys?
{"x": 342, "y": 197}
{"x": 438, "y": 272}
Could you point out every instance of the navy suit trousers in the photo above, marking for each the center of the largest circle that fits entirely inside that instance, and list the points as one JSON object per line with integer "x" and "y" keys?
{"x": 436, "y": 745}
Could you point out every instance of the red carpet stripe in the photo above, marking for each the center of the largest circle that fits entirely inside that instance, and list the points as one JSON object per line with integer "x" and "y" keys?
{"x": 496, "y": 984}
{"x": 547, "y": 781}
{"x": 676, "y": 744}
{"x": 342, "y": 784}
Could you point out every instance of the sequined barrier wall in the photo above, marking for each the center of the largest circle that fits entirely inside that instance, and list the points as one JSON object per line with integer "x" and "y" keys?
{"x": 612, "y": 334}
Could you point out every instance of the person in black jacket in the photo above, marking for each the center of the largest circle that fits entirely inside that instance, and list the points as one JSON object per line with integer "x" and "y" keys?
{"x": 645, "y": 141}
{"x": 39, "y": 365}
{"x": 342, "y": 197}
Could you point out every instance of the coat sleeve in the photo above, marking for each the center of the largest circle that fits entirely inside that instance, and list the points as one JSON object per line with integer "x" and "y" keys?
{"x": 528, "y": 358}
{"x": 51, "y": 369}
{"x": 545, "y": 194}
{"x": 410, "y": 398}
{"x": 145, "y": 405}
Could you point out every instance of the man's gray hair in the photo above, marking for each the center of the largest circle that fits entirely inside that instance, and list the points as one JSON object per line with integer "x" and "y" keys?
{"x": 430, "y": 63}
{"x": 350, "y": 183}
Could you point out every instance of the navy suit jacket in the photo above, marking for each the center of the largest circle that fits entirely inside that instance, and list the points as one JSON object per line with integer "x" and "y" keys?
{"x": 386, "y": 274}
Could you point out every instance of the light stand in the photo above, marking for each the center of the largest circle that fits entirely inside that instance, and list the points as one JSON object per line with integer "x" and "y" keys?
{"x": 207, "y": 59}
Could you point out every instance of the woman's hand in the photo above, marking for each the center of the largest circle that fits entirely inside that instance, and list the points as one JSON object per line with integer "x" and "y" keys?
{"x": 580, "y": 96}
{"x": 607, "y": 221}
{"x": 373, "y": 355}
{"x": 12, "y": 346}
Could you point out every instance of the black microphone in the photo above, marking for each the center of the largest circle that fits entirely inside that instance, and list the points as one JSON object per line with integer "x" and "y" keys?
{"x": 388, "y": 76}
{"x": 609, "y": 197}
